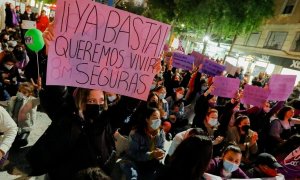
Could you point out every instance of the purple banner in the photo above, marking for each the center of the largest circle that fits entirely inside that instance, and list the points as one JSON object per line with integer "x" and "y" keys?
{"x": 183, "y": 61}
{"x": 212, "y": 68}
{"x": 255, "y": 95}
{"x": 281, "y": 86}
{"x": 225, "y": 87}
{"x": 199, "y": 58}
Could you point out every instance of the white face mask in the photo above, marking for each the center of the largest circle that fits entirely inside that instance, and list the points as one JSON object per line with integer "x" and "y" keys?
{"x": 111, "y": 98}
{"x": 179, "y": 96}
{"x": 152, "y": 86}
{"x": 213, "y": 122}
{"x": 8, "y": 66}
{"x": 155, "y": 124}
{"x": 20, "y": 95}
{"x": 162, "y": 96}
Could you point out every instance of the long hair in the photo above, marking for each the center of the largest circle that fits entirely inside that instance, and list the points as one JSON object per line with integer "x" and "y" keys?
{"x": 239, "y": 120}
{"x": 191, "y": 158}
{"x": 80, "y": 98}
{"x": 283, "y": 111}
{"x": 142, "y": 124}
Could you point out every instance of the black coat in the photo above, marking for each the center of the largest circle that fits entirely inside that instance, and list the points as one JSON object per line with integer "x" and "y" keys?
{"x": 70, "y": 144}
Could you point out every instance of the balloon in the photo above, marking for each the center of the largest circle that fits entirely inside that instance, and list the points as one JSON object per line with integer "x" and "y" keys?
{"x": 34, "y": 39}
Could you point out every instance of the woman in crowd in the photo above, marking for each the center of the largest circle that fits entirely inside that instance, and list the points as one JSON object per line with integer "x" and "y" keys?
{"x": 9, "y": 74}
{"x": 281, "y": 128}
{"x": 228, "y": 166}
{"x": 146, "y": 147}
{"x": 42, "y": 21}
{"x": 79, "y": 136}
{"x": 244, "y": 137}
{"x": 190, "y": 159}
{"x": 112, "y": 99}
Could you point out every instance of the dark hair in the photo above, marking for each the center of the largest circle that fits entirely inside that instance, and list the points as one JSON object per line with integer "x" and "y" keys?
{"x": 9, "y": 57}
{"x": 233, "y": 148}
{"x": 283, "y": 111}
{"x": 191, "y": 158}
{"x": 159, "y": 88}
{"x": 43, "y": 11}
{"x": 196, "y": 131}
{"x": 239, "y": 120}
{"x": 92, "y": 173}
{"x": 211, "y": 111}
{"x": 142, "y": 124}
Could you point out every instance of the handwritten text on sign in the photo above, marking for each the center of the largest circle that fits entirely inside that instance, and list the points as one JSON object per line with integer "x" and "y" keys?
{"x": 225, "y": 87}
{"x": 212, "y": 68}
{"x": 100, "y": 47}
{"x": 255, "y": 95}
{"x": 183, "y": 61}
{"x": 281, "y": 86}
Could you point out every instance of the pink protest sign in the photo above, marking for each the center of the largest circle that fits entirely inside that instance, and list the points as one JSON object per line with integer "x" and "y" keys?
{"x": 255, "y": 95}
{"x": 281, "y": 86}
{"x": 183, "y": 61}
{"x": 225, "y": 87}
{"x": 231, "y": 69}
{"x": 212, "y": 68}
{"x": 199, "y": 58}
{"x": 100, "y": 47}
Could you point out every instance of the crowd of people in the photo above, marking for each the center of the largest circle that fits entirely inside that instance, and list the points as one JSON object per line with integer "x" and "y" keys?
{"x": 102, "y": 135}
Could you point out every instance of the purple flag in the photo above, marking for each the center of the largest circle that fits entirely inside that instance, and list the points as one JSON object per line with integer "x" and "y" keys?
{"x": 255, "y": 95}
{"x": 225, "y": 87}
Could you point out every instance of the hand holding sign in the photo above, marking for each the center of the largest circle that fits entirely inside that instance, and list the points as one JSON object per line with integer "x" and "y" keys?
{"x": 49, "y": 35}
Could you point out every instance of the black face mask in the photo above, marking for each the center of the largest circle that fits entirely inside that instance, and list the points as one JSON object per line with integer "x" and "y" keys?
{"x": 153, "y": 104}
{"x": 246, "y": 128}
{"x": 92, "y": 112}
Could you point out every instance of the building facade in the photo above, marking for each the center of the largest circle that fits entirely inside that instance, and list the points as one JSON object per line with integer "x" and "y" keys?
{"x": 275, "y": 47}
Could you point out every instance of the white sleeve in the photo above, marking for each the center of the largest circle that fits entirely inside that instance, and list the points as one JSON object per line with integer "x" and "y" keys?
{"x": 176, "y": 141}
{"x": 9, "y": 128}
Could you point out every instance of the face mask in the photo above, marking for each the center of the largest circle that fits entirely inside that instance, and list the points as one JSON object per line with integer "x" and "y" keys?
{"x": 8, "y": 66}
{"x": 162, "y": 96}
{"x": 229, "y": 166}
{"x": 213, "y": 122}
{"x": 152, "y": 86}
{"x": 155, "y": 124}
{"x": 20, "y": 95}
{"x": 179, "y": 96}
{"x": 203, "y": 88}
{"x": 246, "y": 128}
{"x": 153, "y": 104}
{"x": 236, "y": 109}
{"x": 266, "y": 109}
{"x": 111, "y": 98}
{"x": 92, "y": 111}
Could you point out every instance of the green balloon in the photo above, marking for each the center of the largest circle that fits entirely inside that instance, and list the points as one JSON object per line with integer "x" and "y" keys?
{"x": 34, "y": 39}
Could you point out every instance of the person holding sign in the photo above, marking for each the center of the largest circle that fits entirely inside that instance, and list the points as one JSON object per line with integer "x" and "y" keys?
{"x": 79, "y": 136}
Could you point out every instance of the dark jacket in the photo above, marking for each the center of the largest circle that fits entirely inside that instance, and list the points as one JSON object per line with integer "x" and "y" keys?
{"x": 70, "y": 143}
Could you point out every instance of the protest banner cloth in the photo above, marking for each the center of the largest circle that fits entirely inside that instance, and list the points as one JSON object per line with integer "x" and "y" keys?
{"x": 199, "y": 58}
{"x": 225, "y": 87}
{"x": 26, "y": 24}
{"x": 281, "y": 86}
{"x": 100, "y": 47}
{"x": 230, "y": 69}
{"x": 212, "y": 68}
{"x": 255, "y": 95}
{"x": 183, "y": 61}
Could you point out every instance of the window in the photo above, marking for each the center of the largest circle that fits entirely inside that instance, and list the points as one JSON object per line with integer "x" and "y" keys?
{"x": 275, "y": 40}
{"x": 289, "y": 6}
{"x": 296, "y": 43}
{"x": 253, "y": 39}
